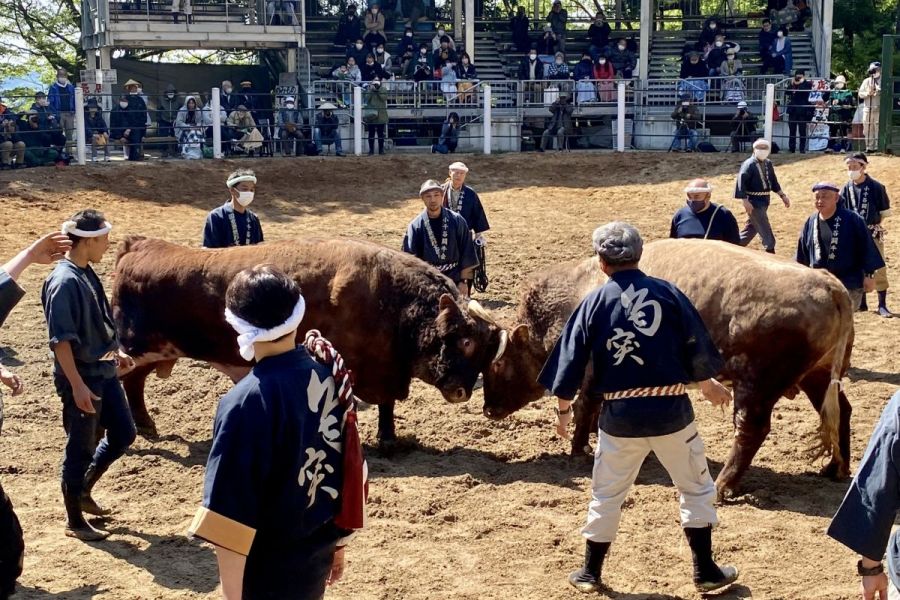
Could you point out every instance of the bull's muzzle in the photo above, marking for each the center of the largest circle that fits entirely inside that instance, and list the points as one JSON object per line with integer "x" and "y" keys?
{"x": 456, "y": 395}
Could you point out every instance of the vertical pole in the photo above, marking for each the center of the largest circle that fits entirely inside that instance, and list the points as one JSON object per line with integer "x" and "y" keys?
{"x": 79, "y": 126}
{"x": 537, "y": 14}
{"x": 770, "y": 110}
{"x": 302, "y": 23}
{"x": 620, "y": 116}
{"x": 488, "y": 121}
{"x": 357, "y": 120}
{"x": 827, "y": 25}
{"x": 886, "y": 108}
{"x": 457, "y": 19}
{"x": 216, "y": 109}
{"x": 470, "y": 29}
{"x": 646, "y": 32}
{"x": 106, "y": 63}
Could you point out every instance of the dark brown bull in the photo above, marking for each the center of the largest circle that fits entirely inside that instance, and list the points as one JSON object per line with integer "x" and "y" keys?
{"x": 780, "y": 326}
{"x": 392, "y": 316}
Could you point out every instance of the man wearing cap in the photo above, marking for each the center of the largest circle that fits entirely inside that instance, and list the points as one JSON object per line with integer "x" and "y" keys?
{"x": 870, "y": 94}
{"x": 463, "y": 200}
{"x": 837, "y": 239}
{"x": 869, "y": 199}
{"x": 328, "y": 129}
{"x": 756, "y": 180}
{"x": 86, "y": 370}
{"x": 441, "y": 238}
{"x": 743, "y": 127}
{"x": 136, "y": 120}
{"x": 799, "y": 110}
{"x": 233, "y": 224}
{"x": 703, "y": 219}
{"x": 288, "y": 124}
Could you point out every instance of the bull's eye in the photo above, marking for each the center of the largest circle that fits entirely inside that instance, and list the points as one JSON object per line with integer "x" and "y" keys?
{"x": 466, "y": 343}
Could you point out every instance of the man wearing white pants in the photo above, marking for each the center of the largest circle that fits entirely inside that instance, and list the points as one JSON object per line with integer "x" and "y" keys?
{"x": 870, "y": 94}
{"x": 645, "y": 341}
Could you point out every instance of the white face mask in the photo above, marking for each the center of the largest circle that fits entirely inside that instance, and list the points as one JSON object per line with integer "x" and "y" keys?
{"x": 380, "y": 50}
{"x": 170, "y": 95}
{"x": 731, "y": 58}
{"x": 781, "y": 34}
{"x": 409, "y": 34}
{"x": 719, "y": 44}
{"x": 854, "y": 175}
{"x": 123, "y": 104}
{"x": 440, "y": 33}
{"x": 359, "y": 46}
{"x": 423, "y": 51}
{"x": 245, "y": 198}
{"x": 62, "y": 80}
{"x": 532, "y": 56}
{"x": 761, "y": 153}
{"x": 227, "y": 90}
{"x": 559, "y": 61}
{"x": 622, "y": 47}
{"x": 602, "y": 61}
{"x": 839, "y": 86}
{"x": 712, "y": 25}
{"x": 685, "y": 104}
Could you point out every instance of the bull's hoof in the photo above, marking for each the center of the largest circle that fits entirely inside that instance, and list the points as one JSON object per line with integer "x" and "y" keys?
{"x": 581, "y": 452}
{"x": 147, "y": 431}
{"x": 393, "y": 446}
{"x": 835, "y": 472}
{"x": 724, "y": 493}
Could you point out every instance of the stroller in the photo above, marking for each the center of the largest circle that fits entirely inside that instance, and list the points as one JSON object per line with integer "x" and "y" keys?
{"x": 733, "y": 90}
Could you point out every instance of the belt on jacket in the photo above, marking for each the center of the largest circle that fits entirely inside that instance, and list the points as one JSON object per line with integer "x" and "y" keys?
{"x": 645, "y": 392}
{"x": 769, "y": 193}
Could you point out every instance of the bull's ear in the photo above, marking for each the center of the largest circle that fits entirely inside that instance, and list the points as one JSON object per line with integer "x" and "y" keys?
{"x": 448, "y": 303}
{"x": 521, "y": 334}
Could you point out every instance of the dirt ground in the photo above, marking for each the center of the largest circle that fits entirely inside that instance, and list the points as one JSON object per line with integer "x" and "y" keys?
{"x": 470, "y": 509}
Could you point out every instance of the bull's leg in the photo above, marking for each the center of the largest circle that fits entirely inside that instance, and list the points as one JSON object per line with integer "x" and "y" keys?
{"x": 133, "y": 383}
{"x": 815, "y": 385}
{"x": 586, "y": 415}
{"x": 386, "y": 431}
{"x": 753, "y": 421}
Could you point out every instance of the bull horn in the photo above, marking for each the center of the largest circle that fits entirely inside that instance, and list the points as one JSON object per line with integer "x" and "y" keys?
{"x": 504, "y": 338}
{"x": 479, "y": 311}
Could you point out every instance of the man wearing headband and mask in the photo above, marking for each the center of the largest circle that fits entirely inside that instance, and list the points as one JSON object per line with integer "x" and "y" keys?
{"x": 704, "y": 219}
{"x": 86, "y": 370}
{"x": 441, "y": 238}
{"x": 755, "y": 182}
{"x": 836, "y": 239}
{"x": 645, "y": 341}
{"x": 284, "y": 483}
{"x": 869, "y": 199}
{"x": 233, "y": 224}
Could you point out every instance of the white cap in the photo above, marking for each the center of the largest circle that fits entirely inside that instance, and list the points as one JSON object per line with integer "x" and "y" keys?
{"x": 742, "y": 104}
{"x": 762, "y": 143}
{"x": 431, "y": 184}
{"x": 459, "y": 166}
{"x": 840, "y": 79}
{"x": 289, "y": 99}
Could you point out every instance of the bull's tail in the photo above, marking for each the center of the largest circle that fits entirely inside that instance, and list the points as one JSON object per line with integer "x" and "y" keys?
{"x": 830, "y": 413}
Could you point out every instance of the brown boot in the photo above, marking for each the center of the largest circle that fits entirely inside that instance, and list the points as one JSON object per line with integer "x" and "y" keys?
{"x": 76, "y": 526}
{"x": 88, "y": 504}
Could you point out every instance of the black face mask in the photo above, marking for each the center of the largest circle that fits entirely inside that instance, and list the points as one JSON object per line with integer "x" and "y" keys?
{"x": 696, "y": 206}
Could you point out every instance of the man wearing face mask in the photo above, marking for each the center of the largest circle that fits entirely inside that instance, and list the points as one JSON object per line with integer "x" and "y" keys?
{"x": 61, "y": 100}
{"x": 406, "y": 49}
{"x": 799, "y": 110}
{"x": 622, "y": 58}
{"x": 136, "y": 120}
{"x": 743, "y": 127}
{"x": 598, "y": 34}
{"x": 755, "y": 182}
{"x": 781, "y": 53}
{"x": 703, "y": 219}
{"x": 870, "y": 94}
{"x": 167, "y": 107}
{"x": 520, "y": 26}
{"x": 348, "y": 27}
{"x": 233, "y": 224}
{"x": 842, "y": 105}
{"x": 869, "y": 199}
{"x": 228, "y": 100}
{"x": 531, "y": 71}
{"x": 328, "y": 129}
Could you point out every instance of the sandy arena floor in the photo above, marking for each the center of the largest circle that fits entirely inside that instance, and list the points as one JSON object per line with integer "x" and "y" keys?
{"x": 471, "y": 509}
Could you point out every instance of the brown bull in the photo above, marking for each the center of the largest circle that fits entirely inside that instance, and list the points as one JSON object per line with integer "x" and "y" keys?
{"x": 392, "y": 316}
{"x": 780, "y": 326}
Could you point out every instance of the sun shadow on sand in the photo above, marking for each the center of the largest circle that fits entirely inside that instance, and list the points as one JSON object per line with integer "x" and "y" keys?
{"x": 197, "y": 452}
{"x": 85, "y": 592}
{"x": 735, "y": 592}
{"x": 859, "y": 374}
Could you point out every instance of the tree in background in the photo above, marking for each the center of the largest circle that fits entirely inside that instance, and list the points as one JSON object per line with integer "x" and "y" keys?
{"x": 39, "y": 36}
{"x": 858, "y": 29}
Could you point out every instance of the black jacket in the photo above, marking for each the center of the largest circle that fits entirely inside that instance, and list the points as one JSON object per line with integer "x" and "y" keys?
{"x": 599, "y": 34}
{"x": 796, "y": 97}
{"x": 525, "y": 70}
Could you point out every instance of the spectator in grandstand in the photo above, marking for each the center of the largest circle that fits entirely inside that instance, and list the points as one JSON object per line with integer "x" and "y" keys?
{"x": 38, "y": 148}
{"x": 439, "y": 37}
{"x": 687, "y": 121}
{"x": 137, "y": 119}
{"x": 328, "y": 129}
{"x": 531, "y": 69}
{"x": 167, "y": 107}
{"x": 61, "y": 100}
{"x": 767, "y": 37}
{"x": 548, "y": 42}
{"x": 799, "y": 110}
{"x": 348, "y": 27}
{"x": 558, "y": 69}
{"x": 48, "y": 121}
{"x": 249, "y": 139}
{"x": 560, "y": 124}
{"x": 467, "y": 75}
{"x": 182, "y": 7}
{"x": 781, "y": 53}
{"x": 406, "y": 50}
{"x": 248, "y": 97}
{"x": 711, "y": 27}
{"x": 585, "y": 90}
{"x": 376, "y": 116}
{"x": 444, "y": 54}
{"x": 421, "y": 69}
{"x": 842, "y": 103}
{"x": 11, "y": 141}
{"x": 206, "y": 117}
{"x": 449, "y": 82}
{"x": 585, "y": 67}
{"x": 717, "y": 54}
{"x": 623, "y": 59}
{"x": 558, "y": 19}
{"x": 189, "y": 129}
{"x": 374, "y": 26}
{"x": 598, "y": 34}
{"x": 358, "y": 51}
{"x": 731, "y": 71}
{"x": 732, "y": 65}
{"x": 350, "y": 71}
{"x": 289, "y": 128}
{"x": 743, "y": 127}
{"x": 449, "y": 138}
{"x": 370, "y": 69}
{"x": 520, "y": 25}
{"x": 693, "y": 67}
{"x": 228, "y": 100}
{"x": 95, "y": 130}
{"x": 383, "y": 59}
{"x": 605, "y": 73}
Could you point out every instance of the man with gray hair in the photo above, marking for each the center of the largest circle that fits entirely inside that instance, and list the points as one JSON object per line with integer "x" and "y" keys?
{"x": 645, "y": 341}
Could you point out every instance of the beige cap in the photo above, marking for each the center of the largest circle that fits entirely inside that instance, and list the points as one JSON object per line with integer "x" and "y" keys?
{"x": 459, "y": 166}
{"x": 429, "y": 185}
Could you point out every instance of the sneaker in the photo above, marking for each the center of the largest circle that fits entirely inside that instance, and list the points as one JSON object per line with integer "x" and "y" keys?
{"x": 584, "y": 583}
{"x": 884, "y": 312}
{"x": 729, "y": 576}
{"x": 338, "y": 153}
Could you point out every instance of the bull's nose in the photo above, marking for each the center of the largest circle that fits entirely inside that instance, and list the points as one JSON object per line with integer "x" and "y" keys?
{"x": 458, "y": 395}
{"x": 488, "y": 413}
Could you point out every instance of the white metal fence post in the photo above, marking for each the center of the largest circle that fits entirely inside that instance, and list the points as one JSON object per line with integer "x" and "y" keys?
{"x": 487, "y": 119}
{"x": 79, "y": 126}
{"x": 770, "y": 111}
{"x": 357, "y": 120}
{"x": 620, "y": 116}
{"x": 216, "y": 109}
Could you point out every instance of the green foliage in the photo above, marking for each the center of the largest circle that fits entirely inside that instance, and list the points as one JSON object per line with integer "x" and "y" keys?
{"x": 40, "y": 35}
{"x": 858, "y": 29}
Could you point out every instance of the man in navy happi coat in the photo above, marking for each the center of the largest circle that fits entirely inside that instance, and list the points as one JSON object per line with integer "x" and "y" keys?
{"x": 703, "y": 219}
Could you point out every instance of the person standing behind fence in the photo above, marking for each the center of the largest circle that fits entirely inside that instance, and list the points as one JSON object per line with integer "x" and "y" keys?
{"x": 799, "y": 111}
{"x": 560, "y": 124}
{"x": 136, "y": 118}
{"x": 687, "y": 121}
{"x": 843, "y": 104}
{"x": 61, "y": 97}
{"x": 376, "y": 115}
{"x": 166, "y": 115}
{"x": 328, "y": 129}
{"x": 870, "y": 94}
{"x": 755, "y": 182}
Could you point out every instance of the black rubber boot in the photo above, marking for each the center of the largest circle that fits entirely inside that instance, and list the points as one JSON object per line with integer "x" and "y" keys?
{"x": 587, "y": 578}
{"x": 76, "y": 526}
{"x": 863, "y": 306}
{"x": 88, "y": 504}
{"x": 882, "y": 306}
{"x": 708, "y": 576}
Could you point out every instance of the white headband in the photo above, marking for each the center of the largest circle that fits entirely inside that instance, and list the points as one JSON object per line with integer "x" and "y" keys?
{"x": 249, "y": 334}
{"x": 71, "y": 228}
{"x": 236, "y": 180}
{"x": 697, "y": 190}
